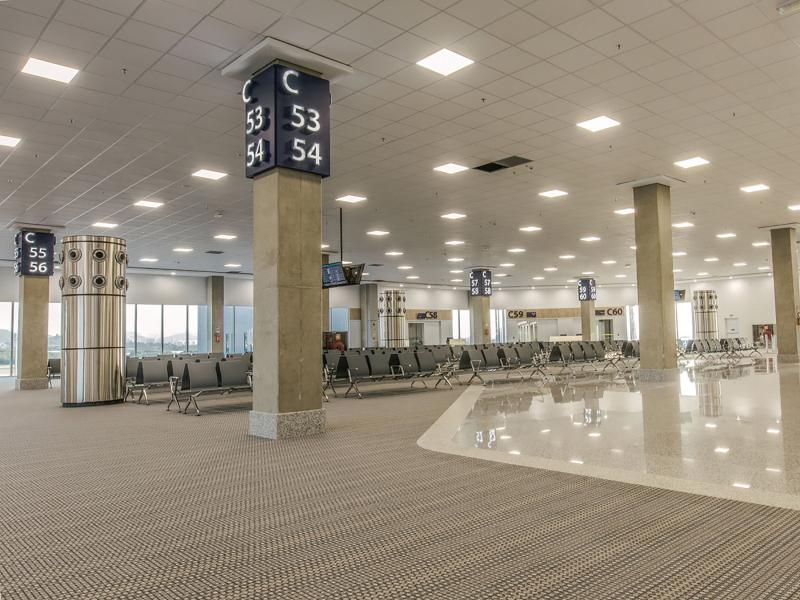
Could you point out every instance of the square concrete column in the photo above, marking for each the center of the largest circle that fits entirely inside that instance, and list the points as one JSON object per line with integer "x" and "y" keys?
{"x": 34, "y": 297}
{"x": 784, "y": 280}
{"x": 655, "y": 281}
{"x": 480, "y": 319}
{"x": 588, "y": 321}
{"x": 215, "y": 299}
{"x": 287, "y": 295}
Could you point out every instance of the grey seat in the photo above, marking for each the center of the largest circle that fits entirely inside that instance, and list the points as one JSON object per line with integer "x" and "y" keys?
{"x": 197, "y": 378}
{"x": 53, "y": 370}
{"x": 149, "y": 374}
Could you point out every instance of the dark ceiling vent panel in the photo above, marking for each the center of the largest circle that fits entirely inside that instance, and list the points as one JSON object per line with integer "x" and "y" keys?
{"x": 214, "y": 252}
{"x": 503, "y": 163}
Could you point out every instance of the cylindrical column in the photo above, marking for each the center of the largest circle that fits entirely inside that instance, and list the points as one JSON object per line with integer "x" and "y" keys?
{"x": 93, "y": 287}
{"x": 704, "y": 305}
{"x": 392, "y": 309}
{"x": 368, "y": 300}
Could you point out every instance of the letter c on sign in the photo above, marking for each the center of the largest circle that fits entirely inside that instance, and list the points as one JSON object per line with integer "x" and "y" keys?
{"x": 246, "y": 91}
{"x": 286, "y": 86}
{"x": 30, "y": 237}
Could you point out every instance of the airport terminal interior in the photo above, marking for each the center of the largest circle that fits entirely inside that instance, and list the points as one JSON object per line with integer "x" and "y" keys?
{"x": 383, "y": 299}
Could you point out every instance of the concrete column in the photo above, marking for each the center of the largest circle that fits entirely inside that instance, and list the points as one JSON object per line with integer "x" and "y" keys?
{"x": 480, "y": 319}
{"x": 655, "y": 281}
{"x": 34, "y": 297}
{"x": 215, "y": 299}
{"x": 787, "y": 300}
{"x": 326, "y": 299}
{"x": 370, "y": 317}
{"x": 287, "y": 295}
{"x": 588, "y": 321}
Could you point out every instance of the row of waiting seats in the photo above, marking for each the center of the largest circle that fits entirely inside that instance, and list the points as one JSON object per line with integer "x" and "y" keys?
{"x": 714, "y": 349}
{"x": 188, "y": 378}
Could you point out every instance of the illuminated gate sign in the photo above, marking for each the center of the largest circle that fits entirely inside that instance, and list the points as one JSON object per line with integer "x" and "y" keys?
{"x": 287, "y": 122}
{"x": 34, "y": 253}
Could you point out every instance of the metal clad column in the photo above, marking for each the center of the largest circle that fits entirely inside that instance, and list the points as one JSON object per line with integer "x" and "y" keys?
{"x": 704, "y": 305}
{"x": 93, "y": 286}
{"x": 394, "y": 331}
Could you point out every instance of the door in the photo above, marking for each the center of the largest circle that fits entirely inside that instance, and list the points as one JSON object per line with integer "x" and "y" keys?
{"x": 416, "y": 334}
{"x": 432, "y": 333}
{"x": 605, "y": 330}
{"x": 731, "y": 327}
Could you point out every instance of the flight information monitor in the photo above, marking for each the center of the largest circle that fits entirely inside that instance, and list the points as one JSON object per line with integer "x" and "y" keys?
{"x": 333, "y": 275}
{"x": 587, "y": 289}
{"x": 34, "y": 253}
{"x": 480, "y": 282}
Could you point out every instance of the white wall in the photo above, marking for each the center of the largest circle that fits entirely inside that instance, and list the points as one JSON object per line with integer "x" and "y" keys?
{"x": 165, "y": 289}
{"x": 238, "y": 292}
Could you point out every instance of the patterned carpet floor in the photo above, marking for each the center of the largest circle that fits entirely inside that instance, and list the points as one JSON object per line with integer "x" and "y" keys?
{"x": 128, "y": 501}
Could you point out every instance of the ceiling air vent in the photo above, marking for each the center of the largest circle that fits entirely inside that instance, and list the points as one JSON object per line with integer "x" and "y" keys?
{"x": 503, "y": 163}
{"x": 214, "y": 252}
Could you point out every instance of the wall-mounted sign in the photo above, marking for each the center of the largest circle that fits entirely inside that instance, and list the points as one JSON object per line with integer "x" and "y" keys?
{"x": 428, "y": 314}
{"x": 480, "y": 282}
{"x": 587, "y": 289}
{"x": 287, "y": 121}
{"x": 615, "y": 311}
{"x": 521, "y": 314}
{"x": 34, "y": 253}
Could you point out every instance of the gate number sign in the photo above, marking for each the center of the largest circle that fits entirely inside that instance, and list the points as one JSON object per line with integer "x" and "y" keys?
{"x": 34, "y": 253}
{"x": 287, "y": 121}
{"x": 587, "y": 289}
{"x": 480, "y": 282}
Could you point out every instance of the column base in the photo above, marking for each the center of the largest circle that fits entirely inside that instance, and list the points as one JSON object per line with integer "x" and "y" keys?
{"x": 277, "y": 426}
{"x": 31, "y": 383}
{"x": 659, "y": 375}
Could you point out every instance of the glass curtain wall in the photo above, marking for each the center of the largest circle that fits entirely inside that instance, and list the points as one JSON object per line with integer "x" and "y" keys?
{"x": 238, "y": 329}
{"x": 153, "y": 329}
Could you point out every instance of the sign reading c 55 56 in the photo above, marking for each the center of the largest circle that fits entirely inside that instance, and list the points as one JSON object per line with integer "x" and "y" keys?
{"x": 287, "y": 121}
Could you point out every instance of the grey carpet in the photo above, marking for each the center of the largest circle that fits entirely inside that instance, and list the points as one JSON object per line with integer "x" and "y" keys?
{"x": 128, "y": 501}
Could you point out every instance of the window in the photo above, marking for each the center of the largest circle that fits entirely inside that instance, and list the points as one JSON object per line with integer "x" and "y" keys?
{"x": 130, "y": 330}
{"x": 229, "y": 325}
{"x": 497, "y": 319}
{"x": 54, "y": 330}
{"x": 175, "y": 328}
{"x": 148, "y": 330}
{"x": 198, "y": 328}
{"x": 7, "y": 338}
{"x": 340, "y": 319}
{"x": 684, "y": 320}
{"x": 461, "y": 325}
{"x": 243, "y": 328}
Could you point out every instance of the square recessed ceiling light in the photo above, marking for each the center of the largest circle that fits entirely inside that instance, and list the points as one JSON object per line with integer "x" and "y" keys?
{"x": 207, "y": 174}
{"x": 625, "y": 211}
{"x": 794, "y": 207}
{"x": 567, "y": 256}
{"x": 150, "y": 260}
{"x": 530, "y": 228}
{"x": 377, "y": 232}
{"x": 683, "y": 225}
{"x": 454, "y": 243}
{"x": 711, "y": 259}
{"x": 507, "y": 265}
{"x": 351, "y": 199}
{"x": 553, "y": 193}
{"x": 764, "y": 268}
{"x": 405, "y": 267}
{"x": 456, "y": 280}
{"x": 445, "y": 62}
{"x": 538, "y": 278}
{"x": 550, "y": 269}
{"x": 148, "y": 203}
{"x": 453, "y": 216}
{"x": 702, "y": 274}
{"x": 324, "y": 246}
{"x": 104, "y": 225}
{"x": 609, "y": 262}
{"x": 759, "y": 187}
{"x": 598, "y": 123}
{"x": 412, "y": 277}
{"x": 48, "y": 70}
{"x": 183, "y": 249}
{"x": 587, "y": 273}
{"x": 235, "y": 266}
{"x": 225, "y": 236}
{"x": 620, "y": 276}
{"x": 456, "y": 271}
{"x": 740, "y": 264}
{"x": 697, "y": 161}
{"x": 455, "y": 260}
{"x": 8, "y": 141}
{"x": 725, "y": 236}
{"x": 451, "y": 168}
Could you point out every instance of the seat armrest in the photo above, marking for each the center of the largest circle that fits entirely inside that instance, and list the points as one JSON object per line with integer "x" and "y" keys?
{"x": 397, "y": 370}
{"x": 173, "y": 384}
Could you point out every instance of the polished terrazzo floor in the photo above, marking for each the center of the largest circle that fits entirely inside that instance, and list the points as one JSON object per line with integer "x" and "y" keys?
{"x": 730, "y": 429}
{"x": 130, "y": 502}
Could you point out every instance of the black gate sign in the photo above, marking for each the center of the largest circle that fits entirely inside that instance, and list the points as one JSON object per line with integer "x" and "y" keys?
{"x": 587, "y": 289}
{"x": 34, "y": 253}
{"x": 287, "y": 121}
{"x": 480, "y": 282}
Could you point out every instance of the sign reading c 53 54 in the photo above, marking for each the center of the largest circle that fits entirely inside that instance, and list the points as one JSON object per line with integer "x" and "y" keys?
{"x": 287, "y": 121}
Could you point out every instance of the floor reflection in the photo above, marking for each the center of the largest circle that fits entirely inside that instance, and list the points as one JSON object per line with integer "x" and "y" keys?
{"x": 729, "y": 425}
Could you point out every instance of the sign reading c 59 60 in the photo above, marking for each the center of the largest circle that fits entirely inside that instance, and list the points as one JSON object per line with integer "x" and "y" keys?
{"x": 287, "y": 121}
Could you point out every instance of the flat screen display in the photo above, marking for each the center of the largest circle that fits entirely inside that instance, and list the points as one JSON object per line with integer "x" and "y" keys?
{"x": 333, "y": 275}
{"x": 353, "y": 273}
